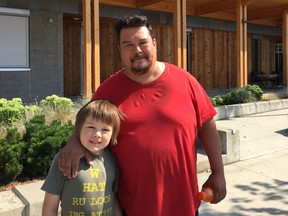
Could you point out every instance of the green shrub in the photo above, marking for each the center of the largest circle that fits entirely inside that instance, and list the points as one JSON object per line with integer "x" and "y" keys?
{"x": 11, "y": 148}
{"x": 28, "y": 142}
{"x": 56, "y": 107}
{"x": 14, "y": 114}
{"x": 217, "y": 100}
{"x": 42, "y": 143}
{"x": 246, "y": 94}
{"x": 255, "y": 90}
{"x": 11, "y": 111}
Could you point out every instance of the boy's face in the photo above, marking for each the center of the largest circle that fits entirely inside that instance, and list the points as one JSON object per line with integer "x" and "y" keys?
{"x": 95, "y": 135}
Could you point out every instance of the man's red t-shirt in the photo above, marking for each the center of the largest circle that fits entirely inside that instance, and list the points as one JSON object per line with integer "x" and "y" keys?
{"x": 156, "y": 148}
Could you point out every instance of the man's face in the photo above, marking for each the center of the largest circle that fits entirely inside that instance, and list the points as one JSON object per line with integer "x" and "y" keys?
{"x": 137, "y": 49}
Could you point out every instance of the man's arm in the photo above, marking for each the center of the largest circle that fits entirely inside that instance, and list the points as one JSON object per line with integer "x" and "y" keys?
{"x": 70, "y": 156}
{"x": 210, "y": 141}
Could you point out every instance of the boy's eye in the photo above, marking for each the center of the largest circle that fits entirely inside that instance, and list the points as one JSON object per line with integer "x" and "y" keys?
{"x": 106, "y": 129}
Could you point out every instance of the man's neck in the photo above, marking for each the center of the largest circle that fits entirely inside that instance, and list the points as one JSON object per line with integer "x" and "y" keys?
{"x": 153, "y": 74}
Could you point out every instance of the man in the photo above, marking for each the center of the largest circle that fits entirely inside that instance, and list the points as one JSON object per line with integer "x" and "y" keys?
{"x": 166, "y": 109}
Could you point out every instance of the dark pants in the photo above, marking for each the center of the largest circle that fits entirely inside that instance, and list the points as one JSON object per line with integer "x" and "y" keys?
{"x": 124, "y": 213}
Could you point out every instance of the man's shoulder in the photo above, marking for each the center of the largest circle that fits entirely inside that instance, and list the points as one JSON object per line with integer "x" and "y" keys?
{"x": 109, "y": 85}
{"x": 178, "y": 71}
{"x": 113, "y": 77}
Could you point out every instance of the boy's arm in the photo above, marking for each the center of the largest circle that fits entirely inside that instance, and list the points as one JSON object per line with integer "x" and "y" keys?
{"x": 118, "y": 210}
{"x": 50, "y": 204}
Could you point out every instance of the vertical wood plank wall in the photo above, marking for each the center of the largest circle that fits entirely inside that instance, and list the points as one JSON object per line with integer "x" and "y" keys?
{"x": 214, "y": 58}
{"x": 213, "y": 53}
{"x": 110, "y": 61}
{"x": 72, "y": 57}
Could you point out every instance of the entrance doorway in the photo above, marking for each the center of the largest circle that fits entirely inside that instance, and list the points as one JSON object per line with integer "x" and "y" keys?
{"x": 72, "y": 55}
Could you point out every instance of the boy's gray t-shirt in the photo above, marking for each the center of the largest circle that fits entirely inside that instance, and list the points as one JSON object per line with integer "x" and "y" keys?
{"x": 91, "y": 192}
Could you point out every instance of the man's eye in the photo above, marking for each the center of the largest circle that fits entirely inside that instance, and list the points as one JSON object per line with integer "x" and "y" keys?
{"x": 128, "y": 46}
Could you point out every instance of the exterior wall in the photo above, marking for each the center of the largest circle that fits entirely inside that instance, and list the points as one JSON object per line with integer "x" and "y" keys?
{"x": 46, "y": 62}
{"x": 213, "y": 51}
{"x": 46, "y": 54}
{"x": 213, "y": 58}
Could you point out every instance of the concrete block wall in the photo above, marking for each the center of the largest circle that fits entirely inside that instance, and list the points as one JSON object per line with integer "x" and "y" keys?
{"x": 239, "y": 110}
{"x": 45, "y": 75}
{"x": 230, "y": 140}
{"x": 10, "y": 204}
{"x": 32, "y": 197}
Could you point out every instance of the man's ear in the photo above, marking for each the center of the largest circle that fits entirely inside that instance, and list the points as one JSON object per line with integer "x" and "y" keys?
{"x": 154, "y": 41}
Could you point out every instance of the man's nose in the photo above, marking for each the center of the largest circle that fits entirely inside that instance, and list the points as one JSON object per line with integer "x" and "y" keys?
{"x": 137, "y": 48}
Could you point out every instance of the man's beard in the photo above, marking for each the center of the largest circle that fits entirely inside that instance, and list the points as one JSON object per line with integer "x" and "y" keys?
{"x": 140, "y": 67}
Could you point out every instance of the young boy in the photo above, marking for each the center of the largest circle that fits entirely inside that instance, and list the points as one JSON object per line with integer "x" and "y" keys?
{"x": 92, "y": 192}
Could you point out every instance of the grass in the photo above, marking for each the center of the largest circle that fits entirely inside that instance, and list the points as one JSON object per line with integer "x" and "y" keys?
{"x": 274, "y": 95}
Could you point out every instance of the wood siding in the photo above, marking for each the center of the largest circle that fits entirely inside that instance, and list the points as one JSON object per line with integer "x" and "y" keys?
{"x": 110, "y": 61}
{"x": 214, "y": 58}
{"x": 72, "y": 57}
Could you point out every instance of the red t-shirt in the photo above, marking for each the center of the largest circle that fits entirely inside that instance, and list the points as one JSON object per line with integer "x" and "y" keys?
{"x": 156, "y": 148}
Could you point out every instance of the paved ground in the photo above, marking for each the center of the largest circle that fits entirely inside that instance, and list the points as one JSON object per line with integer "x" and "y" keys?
{"x": 258, "y": 184}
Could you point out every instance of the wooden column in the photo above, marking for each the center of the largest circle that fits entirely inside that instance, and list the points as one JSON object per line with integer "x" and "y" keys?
{"x": 87, "y": 48}
{"x": 245, "y": 45}
{"x": 96, "y": 47}
{"x": 242, "y": 65}
{"x": 180, "y": 34}
{"x": 285, "y": 48}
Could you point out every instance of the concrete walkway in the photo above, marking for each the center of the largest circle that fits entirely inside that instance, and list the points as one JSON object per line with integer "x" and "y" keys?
{"x": 258, "y": 183}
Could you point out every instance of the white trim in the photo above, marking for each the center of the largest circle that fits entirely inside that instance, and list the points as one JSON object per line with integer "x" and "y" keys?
{"x": 14, "y": 69}
{"x": 15, "y": 12}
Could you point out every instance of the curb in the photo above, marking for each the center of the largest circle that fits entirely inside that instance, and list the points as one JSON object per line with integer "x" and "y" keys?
{"x": 245, "y": 109}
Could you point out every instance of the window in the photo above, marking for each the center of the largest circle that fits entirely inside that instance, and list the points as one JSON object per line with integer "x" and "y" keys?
{"x": 188, "y": 48}
{"x": 256, "y": 51}
{"x": 278, "y": 58}
{"x": 14, "y": 39}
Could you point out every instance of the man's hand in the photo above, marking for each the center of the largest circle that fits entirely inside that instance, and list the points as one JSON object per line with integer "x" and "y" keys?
{"x": 217, "y": 182}
{"x": 70, "y": 156}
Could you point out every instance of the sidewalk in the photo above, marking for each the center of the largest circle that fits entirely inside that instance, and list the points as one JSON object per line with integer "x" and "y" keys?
{"x": 258, "y": 184}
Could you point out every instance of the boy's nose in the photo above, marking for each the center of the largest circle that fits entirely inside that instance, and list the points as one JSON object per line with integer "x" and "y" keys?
{"x": 97, "y": 134}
